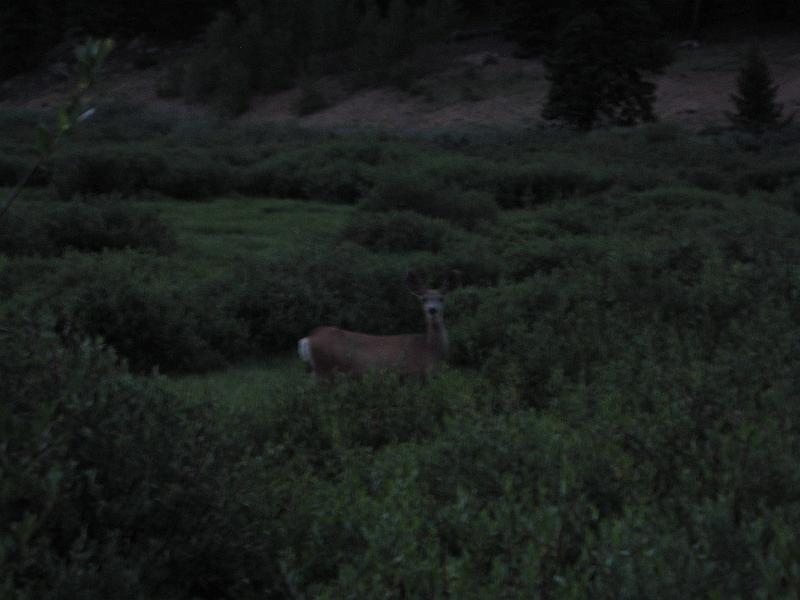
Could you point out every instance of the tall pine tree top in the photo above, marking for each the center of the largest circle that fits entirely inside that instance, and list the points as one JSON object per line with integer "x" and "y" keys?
{"x": 755, "y": 101}
{"x": 598, "y": 69}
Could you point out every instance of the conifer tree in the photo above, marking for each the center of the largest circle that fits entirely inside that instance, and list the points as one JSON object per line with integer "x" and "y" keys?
{"x": 755, "y": 103}
{"x": 597, "y": 71}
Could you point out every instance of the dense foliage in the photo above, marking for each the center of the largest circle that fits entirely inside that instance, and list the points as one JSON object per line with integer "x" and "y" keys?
{"x": 29, "y": 31}
{"x": 88, "y": 226}
{"x": 113, "y": 488}
{"x": 264, "y": 46}
{"x": 617, "y": 420}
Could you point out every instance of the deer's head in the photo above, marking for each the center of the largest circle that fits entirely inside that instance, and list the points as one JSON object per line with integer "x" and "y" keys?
{"x": 432, "y": 299}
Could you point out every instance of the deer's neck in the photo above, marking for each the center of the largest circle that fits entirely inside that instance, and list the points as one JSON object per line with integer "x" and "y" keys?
{"x": 437, "y": 337}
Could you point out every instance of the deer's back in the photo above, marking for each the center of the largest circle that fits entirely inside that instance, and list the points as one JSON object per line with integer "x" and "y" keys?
{"x": 334, "y": 349}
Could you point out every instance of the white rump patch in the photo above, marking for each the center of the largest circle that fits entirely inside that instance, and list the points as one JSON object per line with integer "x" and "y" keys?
{"x": 304, "y": 350}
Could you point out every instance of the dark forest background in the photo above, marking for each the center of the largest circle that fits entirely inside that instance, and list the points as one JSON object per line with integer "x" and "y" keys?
{"x": 30, "y": 29}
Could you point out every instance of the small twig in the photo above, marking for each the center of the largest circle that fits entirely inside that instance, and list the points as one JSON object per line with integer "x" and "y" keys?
{"x": 18, "y": 188}
{"x": 90, "y": 57}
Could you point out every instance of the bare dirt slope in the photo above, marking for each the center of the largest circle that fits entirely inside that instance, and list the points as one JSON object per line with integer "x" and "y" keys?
{"x": 481, "y": 84}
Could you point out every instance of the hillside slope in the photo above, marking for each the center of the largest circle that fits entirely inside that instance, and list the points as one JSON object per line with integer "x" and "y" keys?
{"x": 477, "y": 84}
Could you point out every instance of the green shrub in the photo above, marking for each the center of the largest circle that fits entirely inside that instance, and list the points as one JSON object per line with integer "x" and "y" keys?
{"x": 566, "y": 320}
{"x": 127, "y": 299}
{"x": 113, "y": 488}
{"x": 94, "y": 227}
{"x": 524, "y": 260}
{"x": 683, "y": 198}
{"x": 496, "y": 502}
{"x": 193, "y": 177}
{"x": 131, "y": 169}
{"x": 307, "y": 176}
{"x": 17, "y": 123}
{"x": 769, "y": 176}
{"x": 122, "y": 169}
{"x": 402, "y": 231}
{"x": 549, "y": 179}
{"x": 517, "y": 183}
{"x": 87, "y": 227}
{"x": 707, "y": 180}
{"x": 474, "y": 256}
{"x": 397, "y": 190}
{"x": 380, "y": 410}
{"x": 24, "y": 232}
{"x": 281, "y": 300}
{"x": 152, "y": 320}
{"x": 120, "y": 121}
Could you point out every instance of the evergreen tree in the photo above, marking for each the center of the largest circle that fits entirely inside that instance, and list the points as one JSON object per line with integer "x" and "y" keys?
{"x": 597, "y": 69}
{"x": 755, "y": 101}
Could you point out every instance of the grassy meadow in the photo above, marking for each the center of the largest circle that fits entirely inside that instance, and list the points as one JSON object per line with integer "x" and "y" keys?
{"x": 618, "y": 417}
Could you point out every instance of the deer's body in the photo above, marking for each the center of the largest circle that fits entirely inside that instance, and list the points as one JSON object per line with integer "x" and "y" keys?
{"x": 328, "y": 350}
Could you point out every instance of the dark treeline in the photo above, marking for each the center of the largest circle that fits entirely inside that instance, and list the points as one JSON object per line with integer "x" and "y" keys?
{"x": 29, "y": 29}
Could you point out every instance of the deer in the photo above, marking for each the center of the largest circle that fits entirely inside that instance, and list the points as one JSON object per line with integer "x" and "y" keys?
{"x": 329, "y": 350}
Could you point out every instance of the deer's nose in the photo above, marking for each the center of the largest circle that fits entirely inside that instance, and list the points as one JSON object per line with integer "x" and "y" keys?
{"x": 432, "y": 310}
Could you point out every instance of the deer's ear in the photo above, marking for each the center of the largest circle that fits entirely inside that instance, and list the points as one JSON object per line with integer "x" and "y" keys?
{"x": 451, "y": 281}
{"x": 413, "y": 284}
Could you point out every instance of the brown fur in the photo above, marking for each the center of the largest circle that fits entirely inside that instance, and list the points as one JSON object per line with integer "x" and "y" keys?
{"x": 335, "y": 350}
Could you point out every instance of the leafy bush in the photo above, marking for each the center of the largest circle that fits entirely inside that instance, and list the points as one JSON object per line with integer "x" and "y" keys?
{"x": 113, "y": 488}
{"x": 281, "y": 300}
{"x": 125, "y": 170}
{"x": 131, "y": 169}
{"x": 126, "y": 299}
{"x": 584, "y": 295}
{"x": 98, "y": 226}
{"x": 24, "y": 232}
{"x": 524, "y": 260}
{"x": 592, "y": 493}
{"x": 124, "y": 122}
{"x": 769, "y": 175}
{"x": 380, "y": 410}
{"x": 493, "y": 501}
{"x": 401, "y": 231}
{"x": 193, "y": 177}
{"x": 152, "y": 320}
{"x": 549, "y": 179}
{"x": 89, "y": 227}
{"x": 401, "y": 191}
{"x": 307, "y": 176}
